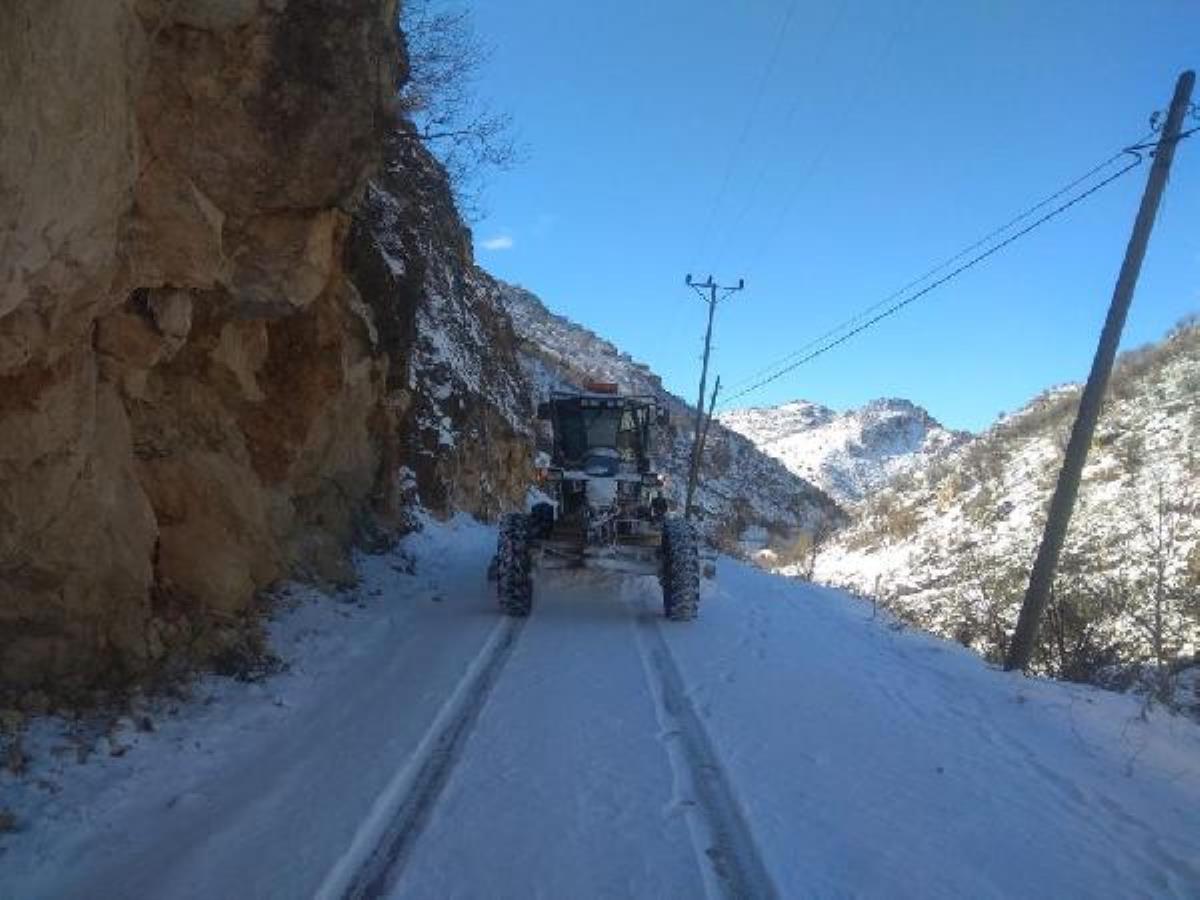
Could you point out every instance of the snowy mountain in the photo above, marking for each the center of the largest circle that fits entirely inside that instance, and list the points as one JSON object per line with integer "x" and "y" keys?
{"x": 743, "y": 492}
{"x": 948, "y": 545}
{"x": 848, "y": 454}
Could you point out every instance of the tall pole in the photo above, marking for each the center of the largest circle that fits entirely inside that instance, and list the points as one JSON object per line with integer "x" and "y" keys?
{"x": 698, "y": 446}
{"x": 1041, "y": 579}
{"x": 712, "y": 405}
{"x": 710, "y": 288}
{"x": 712, "y": 308}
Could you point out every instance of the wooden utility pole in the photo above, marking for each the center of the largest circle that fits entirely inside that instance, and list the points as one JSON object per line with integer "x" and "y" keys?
{"x": 1041, "y": 579}
{"x": 708, "y": 293}
{"x": 712, "y": 405}
{"x": 698, "y": 447}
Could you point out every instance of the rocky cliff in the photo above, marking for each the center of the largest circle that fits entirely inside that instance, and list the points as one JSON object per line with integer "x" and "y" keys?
{"x": 463, "y": 406}
{"x": 218, "y": 364}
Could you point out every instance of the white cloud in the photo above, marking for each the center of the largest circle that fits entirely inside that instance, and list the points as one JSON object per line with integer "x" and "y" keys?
{"x": 499, "y": 242}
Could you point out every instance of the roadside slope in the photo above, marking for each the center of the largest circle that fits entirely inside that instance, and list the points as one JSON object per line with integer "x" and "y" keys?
{"x": 948, "y": 546}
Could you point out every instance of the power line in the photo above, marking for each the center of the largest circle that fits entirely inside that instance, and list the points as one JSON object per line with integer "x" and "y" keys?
{"x": 823, "y": 45}
{"x": 868, "y": 74}
{"x": 994, "y": 233}
{"x": 1138, "y": 159}
{"x": 745, "y": 132}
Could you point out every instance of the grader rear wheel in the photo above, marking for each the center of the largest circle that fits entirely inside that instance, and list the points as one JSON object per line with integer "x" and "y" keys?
{"x": 514, "y": 566}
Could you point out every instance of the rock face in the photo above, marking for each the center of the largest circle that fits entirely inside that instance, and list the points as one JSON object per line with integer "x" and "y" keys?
{"x": 193, "y": 401}
{"x": 465, "y": 415}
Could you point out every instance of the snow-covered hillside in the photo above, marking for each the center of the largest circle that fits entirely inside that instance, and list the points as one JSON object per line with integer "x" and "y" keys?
{"x": 948, "y": 545}
{"x": 787, "y": 744}
{"x": 847, "y": 454}
{"x": 742, "y": 489}
{"x": 462, "y": 402}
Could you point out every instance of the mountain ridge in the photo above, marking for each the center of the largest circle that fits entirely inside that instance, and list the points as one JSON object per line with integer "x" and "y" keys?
{"x": 848, "y": 454}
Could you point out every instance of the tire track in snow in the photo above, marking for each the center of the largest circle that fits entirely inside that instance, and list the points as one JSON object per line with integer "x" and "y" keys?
{"x": 372, "y": 865}
{"x": 724, "y": 844}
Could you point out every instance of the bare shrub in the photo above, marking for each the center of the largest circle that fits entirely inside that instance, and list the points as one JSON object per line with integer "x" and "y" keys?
{"x": 1077, "y": 641}
{"x": 801, "y": 549}
{"x": 441, "y": 98}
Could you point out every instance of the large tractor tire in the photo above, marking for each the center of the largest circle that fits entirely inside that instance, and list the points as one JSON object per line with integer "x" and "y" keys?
{"x": 514, "y": 566}
{"x": 680, "y": 571}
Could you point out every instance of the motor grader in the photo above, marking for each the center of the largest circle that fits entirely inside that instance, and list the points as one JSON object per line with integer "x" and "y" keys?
{"x": 603, "y": 505}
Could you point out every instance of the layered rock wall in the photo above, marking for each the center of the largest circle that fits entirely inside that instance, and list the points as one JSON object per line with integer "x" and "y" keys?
{"x": 192, "y": 403}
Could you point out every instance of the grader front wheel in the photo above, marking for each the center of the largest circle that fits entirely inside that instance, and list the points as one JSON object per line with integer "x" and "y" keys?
{"x": 680, "y": 575}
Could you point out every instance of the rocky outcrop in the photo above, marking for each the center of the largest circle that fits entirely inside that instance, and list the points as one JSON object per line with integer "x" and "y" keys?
{"x": 460, "y": 393}
{"x": 192, "y": 399}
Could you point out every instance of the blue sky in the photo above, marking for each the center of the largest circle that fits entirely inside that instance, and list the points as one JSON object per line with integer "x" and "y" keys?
{"x": 885, "y": 138}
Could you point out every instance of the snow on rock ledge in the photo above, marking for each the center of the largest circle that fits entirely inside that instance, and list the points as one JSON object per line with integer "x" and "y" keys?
{"x": 458, "y": 388}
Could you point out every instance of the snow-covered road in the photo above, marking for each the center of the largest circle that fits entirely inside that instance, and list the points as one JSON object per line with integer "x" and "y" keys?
{"x": 785, "y": 744}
